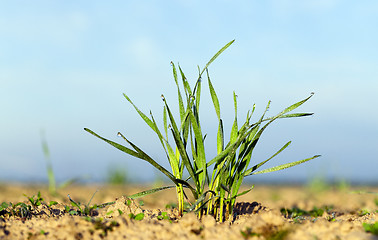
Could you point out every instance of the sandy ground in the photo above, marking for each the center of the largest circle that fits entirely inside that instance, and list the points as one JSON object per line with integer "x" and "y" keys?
{"x": 260, "y": 214}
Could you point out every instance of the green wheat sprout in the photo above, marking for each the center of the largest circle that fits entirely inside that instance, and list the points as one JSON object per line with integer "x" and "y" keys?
{"x": 214, "y": 192}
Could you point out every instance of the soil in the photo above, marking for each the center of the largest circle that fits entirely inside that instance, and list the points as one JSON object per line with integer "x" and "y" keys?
{"x": 267, "y": 212}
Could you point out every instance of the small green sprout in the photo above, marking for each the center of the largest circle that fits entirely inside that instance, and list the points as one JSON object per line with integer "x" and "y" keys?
{"x": 331, "y": 218}
{"x": 52, "y": 203}
{"x": 163, "y": 215}
{"x": 21, "y": 210}
{"x": 363, "y": 212}
{"x": 316, "y": 212}
{"x": 371, "y": 228}
{"x": 3, "y": 206}
{"x": 35, "y": 200}
{"x": 137, "y": 217}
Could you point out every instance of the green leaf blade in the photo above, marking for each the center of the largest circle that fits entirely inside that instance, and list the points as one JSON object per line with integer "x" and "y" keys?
{"x": 284, "y": 166}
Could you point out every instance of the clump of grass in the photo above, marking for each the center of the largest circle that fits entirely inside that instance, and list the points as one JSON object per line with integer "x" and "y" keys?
{"x": 25, "y": 210}
{"x": 214, "y": 191}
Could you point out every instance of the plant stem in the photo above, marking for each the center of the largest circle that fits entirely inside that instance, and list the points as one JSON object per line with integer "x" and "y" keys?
{"x": 180, "y": 199}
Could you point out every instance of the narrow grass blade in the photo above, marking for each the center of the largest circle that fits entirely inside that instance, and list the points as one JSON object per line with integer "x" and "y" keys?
{"x": 174, "y": 161}
{"x": 198, "y": 95}
{"x": 243, "y": 133}
{"x": 217, "y": 54}
{"x": 200, "y": 150}
{"x": 90, "y": 200}
{"x": 290, "y": 115}
{"x": 184, "y": 155}
{"x": 106, "y": 204}
{"x": 74, "y": 203}
{"x": 165, "y": 123}
{"x": 184, "y": 122}
{"x": 138, "y": 154}
{"x": 188, "y": 91}
{"x": 157, "y": 131}
{"x": 213, "y": 96}
{"x": 179, "y": 143}
{"x": 147, "y": 158}
{"x": 200, "y": 200}
{"x": 284, "y": 166}
{"x": 148, "y": 192}
{"x": 181, "y": 104}
{"x": 144, "y": 156}
{"x": 234, "y": 129}
{"x": 288, "y": 109}
{"x": 295, "y": 105}
{"x": 242, "y": 193}
{"x": 168, "y": 149}
{"x": 141, "y": 114}
{"x": 220, "y": 137}
{"x": 252, "y": 169}
{"x": 116, "y": 145}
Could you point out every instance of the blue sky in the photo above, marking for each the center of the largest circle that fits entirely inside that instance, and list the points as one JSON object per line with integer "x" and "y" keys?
{"x": 64, "y": 66}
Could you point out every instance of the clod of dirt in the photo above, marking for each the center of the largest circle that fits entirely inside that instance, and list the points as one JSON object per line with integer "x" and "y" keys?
{"x": 123, "y": 205}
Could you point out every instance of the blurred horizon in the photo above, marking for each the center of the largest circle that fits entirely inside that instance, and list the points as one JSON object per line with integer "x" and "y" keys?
{"x": 65, "y": 65}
